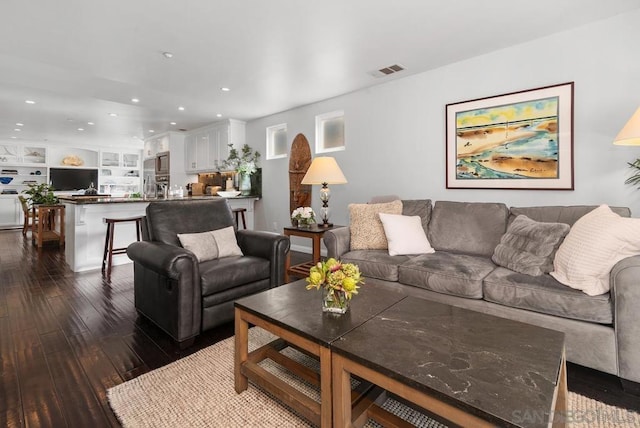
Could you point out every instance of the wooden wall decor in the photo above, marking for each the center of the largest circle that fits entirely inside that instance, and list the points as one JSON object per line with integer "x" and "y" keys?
{"x": 299, "y": 162}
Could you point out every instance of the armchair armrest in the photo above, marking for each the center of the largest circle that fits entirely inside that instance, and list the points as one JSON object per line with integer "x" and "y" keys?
{"x": 167, "y": 260}
{"x": 267, "y": 245}
{"x": 337, "y": 241}
{"x": 625, "y": 290}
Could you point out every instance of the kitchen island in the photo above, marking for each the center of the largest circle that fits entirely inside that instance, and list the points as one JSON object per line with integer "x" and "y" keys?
{"x": 85, "y": 227}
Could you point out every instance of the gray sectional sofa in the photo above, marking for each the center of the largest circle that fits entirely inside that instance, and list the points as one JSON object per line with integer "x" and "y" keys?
{"x": 602, "y": 332}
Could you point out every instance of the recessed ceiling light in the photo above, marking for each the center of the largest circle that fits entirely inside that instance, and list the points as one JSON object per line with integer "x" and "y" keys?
{"x": 181, "y": 108}
{"x": 29, "y": 101}
{"x": 18, "y": 129}
{"x": 113, "y": 114}
{"x": 80, "y": 129}
{"x": 219, "y": 115}
{"x": 90, "y": 123}
{"x": 167, "y": 54}
{"x": 225, "y": 89}
{"x": 14, "y": 137}
{"x": 135, "y": 100}
{"x": 172, "y": 123}
{"x": 151, "y": 130}
{"x": 19, "y": 124}
{"x": 69, "y": 119}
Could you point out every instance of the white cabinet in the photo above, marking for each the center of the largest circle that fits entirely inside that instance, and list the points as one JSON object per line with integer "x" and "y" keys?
{"x": 10, "y": 211}
{"x": 207, "y": 148}
{"x": 119, "y": 172}
{"x": 155, "y": 145}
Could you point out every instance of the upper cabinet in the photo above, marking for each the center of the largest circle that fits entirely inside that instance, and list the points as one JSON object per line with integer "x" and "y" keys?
{"x": 119, "y": 172}
{"x": 207, "y": 148}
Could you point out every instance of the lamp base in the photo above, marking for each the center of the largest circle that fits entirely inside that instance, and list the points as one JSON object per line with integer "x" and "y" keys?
{"x": 327, "y": 224}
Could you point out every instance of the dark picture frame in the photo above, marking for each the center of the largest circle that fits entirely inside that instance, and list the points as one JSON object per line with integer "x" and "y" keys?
{"x": 520, "y": 140}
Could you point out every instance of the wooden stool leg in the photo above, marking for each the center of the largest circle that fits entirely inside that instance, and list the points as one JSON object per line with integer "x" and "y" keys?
{"x": 106, "y": 247}
{"x": 112, "y": 231}
{"x": 244, "y": 222}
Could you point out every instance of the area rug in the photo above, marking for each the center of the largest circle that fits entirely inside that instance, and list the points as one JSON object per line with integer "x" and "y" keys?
{"x": 198, "y": 391}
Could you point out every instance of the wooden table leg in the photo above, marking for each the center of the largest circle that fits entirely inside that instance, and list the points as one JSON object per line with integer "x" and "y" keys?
{"x": 241, "y": 351}
{"x": 326, "y": 413}
{"x": 316, "y": 248}
{"x": 341, "y": 392}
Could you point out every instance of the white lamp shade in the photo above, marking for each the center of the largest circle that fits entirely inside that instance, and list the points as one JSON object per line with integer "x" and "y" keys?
{"x": 630, "y": 134}
{"x": 324, "y": 169}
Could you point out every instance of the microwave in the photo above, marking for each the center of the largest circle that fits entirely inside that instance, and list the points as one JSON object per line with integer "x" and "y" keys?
{"x": 162, "y": 163}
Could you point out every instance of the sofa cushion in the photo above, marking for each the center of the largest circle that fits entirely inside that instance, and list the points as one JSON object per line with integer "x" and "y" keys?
{"x": 419, "y": 207}
{"x": 223, "y": 274}
{"x": 448, "y": 273}
{"x": 375, "y": 263}
{"x": 546, "y": 295}
{"x": 595, "y": 243}
{"x": 529, "y": 246}
{"x": 211, "y": 245}
{"x": 405, "y": 235}
{"x": 467, "y": 227}
{"x": 365, "y": 226}
{"x": 561, "y": 214}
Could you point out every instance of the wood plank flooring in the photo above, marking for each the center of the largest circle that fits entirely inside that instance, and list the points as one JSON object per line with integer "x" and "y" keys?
{"x": 65, "y": 338}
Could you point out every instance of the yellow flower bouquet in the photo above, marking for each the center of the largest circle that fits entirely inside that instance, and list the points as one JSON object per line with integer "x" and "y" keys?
{"x": 339, "y": 282}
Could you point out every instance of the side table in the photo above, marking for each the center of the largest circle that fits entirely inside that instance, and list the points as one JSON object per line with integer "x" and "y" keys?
{"x": 48, "y": 228}
{"x": 315, "y": 233}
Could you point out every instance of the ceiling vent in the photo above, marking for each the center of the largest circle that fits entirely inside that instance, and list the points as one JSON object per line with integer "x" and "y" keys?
{"x": 395, "y": 68}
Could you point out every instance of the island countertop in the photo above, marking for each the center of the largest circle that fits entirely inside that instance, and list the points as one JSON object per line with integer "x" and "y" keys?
{"x": 87, "y": 200}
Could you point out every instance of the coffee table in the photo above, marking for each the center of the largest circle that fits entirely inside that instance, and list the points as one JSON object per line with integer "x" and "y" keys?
{"x": 471, "y": 368}
{"x": 295, "y": 315}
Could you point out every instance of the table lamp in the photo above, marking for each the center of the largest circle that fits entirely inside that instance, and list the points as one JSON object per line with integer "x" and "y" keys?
{"x": 325, "y": 171}
{"x": 630, "y": 136}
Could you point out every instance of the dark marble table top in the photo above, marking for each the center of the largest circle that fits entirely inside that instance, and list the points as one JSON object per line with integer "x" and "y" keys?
{"x": 299, "y": 310}
{"x": 501, "y": 370}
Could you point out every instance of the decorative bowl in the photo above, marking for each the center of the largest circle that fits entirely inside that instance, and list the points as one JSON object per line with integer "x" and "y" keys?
{"x": 7, "y": 180}
{"x": 228, "y": 193}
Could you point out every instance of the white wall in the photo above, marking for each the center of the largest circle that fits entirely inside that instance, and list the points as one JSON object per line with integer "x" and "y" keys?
{"x": 395, "y": 133}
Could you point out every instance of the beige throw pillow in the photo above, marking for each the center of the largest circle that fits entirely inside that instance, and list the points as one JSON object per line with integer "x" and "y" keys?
{"x": 211, "y": 245}
{"x": 595, "y": 243}
{"x": 365, "y": 226}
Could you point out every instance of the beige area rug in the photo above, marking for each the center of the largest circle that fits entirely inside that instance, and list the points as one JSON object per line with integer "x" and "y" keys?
{"x": 198, "y": 391}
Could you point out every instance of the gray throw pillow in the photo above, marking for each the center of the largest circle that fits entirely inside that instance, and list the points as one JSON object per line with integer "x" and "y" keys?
{"x": 529, "y": 246}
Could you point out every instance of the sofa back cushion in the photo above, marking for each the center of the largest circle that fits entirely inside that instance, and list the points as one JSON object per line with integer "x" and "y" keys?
{"x": 419, "y": 207}
{"x": 166, "y": 219}
{"x": 467, "y": 227}
{"x": 561, "y": 214}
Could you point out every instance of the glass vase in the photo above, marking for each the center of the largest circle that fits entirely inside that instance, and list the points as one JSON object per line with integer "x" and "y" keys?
{"x": 334, "y": 301}
{"x": 245, "y": 184}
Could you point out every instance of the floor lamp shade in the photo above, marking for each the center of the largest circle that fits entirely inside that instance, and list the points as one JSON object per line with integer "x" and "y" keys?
{"x": 630, "y": 134}
{"x": 324, "y": 170}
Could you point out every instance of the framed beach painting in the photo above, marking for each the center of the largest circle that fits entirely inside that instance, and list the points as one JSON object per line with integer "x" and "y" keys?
{"x": 521, "y": 140}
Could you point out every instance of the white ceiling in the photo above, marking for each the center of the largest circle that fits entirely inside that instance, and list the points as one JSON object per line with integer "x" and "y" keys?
{"x": 81, "y": 59}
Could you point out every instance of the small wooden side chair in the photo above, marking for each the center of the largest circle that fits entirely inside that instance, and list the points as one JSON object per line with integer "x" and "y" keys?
{"x": 29, "y": 221}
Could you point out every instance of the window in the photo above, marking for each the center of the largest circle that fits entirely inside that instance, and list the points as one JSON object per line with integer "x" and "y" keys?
{"x": 277, "y": 141}
{"x": 330, "y": 132}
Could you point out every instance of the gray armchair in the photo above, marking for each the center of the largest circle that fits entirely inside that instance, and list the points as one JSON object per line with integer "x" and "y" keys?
{"x": 185, "y": 297}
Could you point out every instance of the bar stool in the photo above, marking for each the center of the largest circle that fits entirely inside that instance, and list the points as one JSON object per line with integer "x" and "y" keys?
{"x": 240, "y": 211}
{"x": 109, "y": 251}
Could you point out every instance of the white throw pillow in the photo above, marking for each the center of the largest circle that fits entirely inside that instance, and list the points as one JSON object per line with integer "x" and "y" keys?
{"x": 405, "y": 235}
{"x": 595, "y": 243}
{"x": 211, "y": 245}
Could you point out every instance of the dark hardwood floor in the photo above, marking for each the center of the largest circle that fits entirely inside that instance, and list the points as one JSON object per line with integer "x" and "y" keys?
{"x": 65, "y": 338}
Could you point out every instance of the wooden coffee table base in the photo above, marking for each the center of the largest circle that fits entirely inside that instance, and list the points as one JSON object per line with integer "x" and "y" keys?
{"x": 246, "y": 367}
{"x": 344, "y": 415}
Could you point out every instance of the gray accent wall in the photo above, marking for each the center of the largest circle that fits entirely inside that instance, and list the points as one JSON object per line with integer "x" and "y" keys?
{"x": 395, "y": 132}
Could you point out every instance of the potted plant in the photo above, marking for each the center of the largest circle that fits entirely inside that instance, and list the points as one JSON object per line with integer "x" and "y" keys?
{"x": 41, "y": 194}
{"x": 245, "y": 163}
